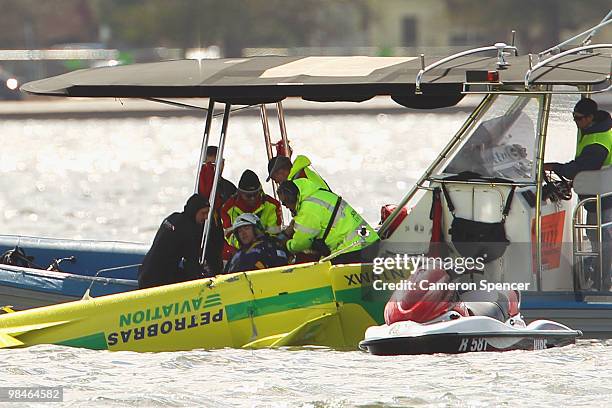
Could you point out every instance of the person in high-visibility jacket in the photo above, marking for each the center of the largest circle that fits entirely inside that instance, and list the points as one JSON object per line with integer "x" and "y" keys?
{"x": 280, "y": 169}
{"x": 593, "y": 152}
{"x": 313, "y": 209}
{"x": 250, "y": 198}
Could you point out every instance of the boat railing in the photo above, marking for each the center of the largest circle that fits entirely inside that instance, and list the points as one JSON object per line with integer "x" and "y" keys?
{"x": 65, "y": 275}
{"x": 599, "y": 184}
{"x": 540, "y": 64}
{"x": 501, "y": 62}
{"x": 86, "y": 295}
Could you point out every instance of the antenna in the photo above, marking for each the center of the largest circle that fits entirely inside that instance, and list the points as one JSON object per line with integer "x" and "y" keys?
{"x": 501, "y": 61}
{"x": 591, "y": 32}
{"x": 587, "y": 40}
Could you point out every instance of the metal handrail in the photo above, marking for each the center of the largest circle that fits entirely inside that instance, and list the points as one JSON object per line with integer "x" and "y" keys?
{"x": 599, "y": 226}
{"x": 591, "y": 31}
{"x": 66, "y": 275}
{"x": 540, "y": 92}
{"x": 586, "y": 200}
{"x": 96, "y": 278}
{"x": 499, "y": 47}
{"x": 557, "y": 56}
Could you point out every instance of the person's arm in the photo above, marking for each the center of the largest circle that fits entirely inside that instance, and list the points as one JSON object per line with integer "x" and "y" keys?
{"x": 306, "y": 229}
{"x": 158, "y": 261}
{"x": 226, "y": 221}
{"x": 207, "y": 175}
{"x": 592, "y": 158}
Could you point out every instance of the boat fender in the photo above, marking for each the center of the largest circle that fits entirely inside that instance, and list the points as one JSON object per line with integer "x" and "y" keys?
{"x": 385, "y": 212}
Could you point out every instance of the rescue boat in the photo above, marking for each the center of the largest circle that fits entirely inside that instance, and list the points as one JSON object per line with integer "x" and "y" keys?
{"x": 490, "y": 173}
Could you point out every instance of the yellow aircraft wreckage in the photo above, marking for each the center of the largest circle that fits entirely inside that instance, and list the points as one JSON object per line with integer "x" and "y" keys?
{"x": 309, "y": 304}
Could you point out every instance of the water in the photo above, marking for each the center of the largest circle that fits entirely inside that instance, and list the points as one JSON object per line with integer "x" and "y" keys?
{"x": 576, "y": 375}
{"x": 117, "y": 179}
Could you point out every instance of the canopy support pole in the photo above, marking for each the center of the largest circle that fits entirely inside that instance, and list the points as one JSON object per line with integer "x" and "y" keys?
{"x": 281, "y": 125}
{"x": 213, "y": 193}
{"x": 266, "y": 129}
{"x": 204, "y": 148}
{"x": 542, "y": 130}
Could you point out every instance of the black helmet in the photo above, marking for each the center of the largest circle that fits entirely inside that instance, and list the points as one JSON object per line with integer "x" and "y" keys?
{"x": 249, "y": 182}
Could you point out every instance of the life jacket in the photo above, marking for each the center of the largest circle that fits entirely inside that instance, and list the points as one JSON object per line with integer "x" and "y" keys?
{"x": 301, "y": 169}
{"x": 313, "y": 213}
{"x": 268, "y": 211}
{"x": 599, "y": 133}
{"x": 261, "y": 254}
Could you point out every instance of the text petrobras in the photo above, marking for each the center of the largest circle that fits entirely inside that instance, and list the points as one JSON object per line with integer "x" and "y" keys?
{"x": 167, "y": 319}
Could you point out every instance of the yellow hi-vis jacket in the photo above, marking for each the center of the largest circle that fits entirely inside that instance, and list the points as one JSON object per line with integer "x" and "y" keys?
{"x": 313, "y": 212}
{"x": 269, "y": 212}
{"x": 303, "y": 163}
{"x": 602, "y": 138}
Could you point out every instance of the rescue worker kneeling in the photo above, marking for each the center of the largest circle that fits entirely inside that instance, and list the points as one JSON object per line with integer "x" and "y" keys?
{"x": 326, "y": 224}
{"x": 257, "y": 250}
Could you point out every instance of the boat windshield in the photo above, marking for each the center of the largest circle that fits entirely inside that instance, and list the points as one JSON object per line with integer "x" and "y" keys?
{"x": 503, "y": 142}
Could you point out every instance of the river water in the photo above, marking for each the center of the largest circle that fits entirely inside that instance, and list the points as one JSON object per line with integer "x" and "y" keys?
{"x": 116, "y": 179}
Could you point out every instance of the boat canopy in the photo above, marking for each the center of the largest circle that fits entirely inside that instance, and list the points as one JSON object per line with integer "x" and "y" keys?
{"x": 269, "y": 79}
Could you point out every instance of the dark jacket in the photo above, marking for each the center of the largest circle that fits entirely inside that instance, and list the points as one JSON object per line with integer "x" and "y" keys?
{"x": 261, "y": 254}
{"x": 592, "y": 156}
{"x": 177, "y": 242}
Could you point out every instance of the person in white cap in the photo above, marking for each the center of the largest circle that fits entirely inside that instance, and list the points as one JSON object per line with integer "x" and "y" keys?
{"x": 257, "y": 249}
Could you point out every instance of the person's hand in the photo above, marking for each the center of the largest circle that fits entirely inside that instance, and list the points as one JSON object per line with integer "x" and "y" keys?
{"x": 289, "y": 230}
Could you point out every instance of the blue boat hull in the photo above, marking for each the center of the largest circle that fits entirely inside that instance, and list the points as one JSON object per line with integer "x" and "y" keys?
{"x": 102, "y": 267}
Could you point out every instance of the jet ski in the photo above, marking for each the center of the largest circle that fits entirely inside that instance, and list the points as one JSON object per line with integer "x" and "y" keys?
{"x": 421, "y": 320}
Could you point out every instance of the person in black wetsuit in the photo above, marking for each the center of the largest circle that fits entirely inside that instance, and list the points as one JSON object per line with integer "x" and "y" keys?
{"x": 257, "y": 250}
{"x": 593, "y": 152}
{"x": 174, "y": 254}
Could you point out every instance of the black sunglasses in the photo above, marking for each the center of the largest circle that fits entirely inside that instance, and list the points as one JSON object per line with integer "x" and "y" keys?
{"x": 578, "y": 117}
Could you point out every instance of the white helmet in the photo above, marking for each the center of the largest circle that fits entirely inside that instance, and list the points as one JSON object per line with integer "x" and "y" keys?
{"x": 248, "y": 219}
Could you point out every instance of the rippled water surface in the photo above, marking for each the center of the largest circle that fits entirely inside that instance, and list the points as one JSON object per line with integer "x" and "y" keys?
{"x": 577, "y": 375}
{"x": 117, "y": 179}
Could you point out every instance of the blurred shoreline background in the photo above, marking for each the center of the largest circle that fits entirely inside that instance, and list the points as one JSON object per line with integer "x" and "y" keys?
{"x": 41, "y": 39}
